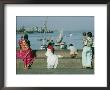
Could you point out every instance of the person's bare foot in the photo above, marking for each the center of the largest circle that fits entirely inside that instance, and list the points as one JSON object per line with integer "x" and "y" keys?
{"x": 25, "y": 68}
{"x": 29, "y": 67}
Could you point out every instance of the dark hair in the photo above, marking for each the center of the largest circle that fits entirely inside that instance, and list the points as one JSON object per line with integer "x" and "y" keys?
{"x": 26, "y": 36}
{"x": 84, "y": 33}
{"x": 49, "y": 44}
{"x": 89, "y": 34}
{"x": 28, "y": 42}
{"x": 21, "y": 36}
{"x": 71, "y": 45}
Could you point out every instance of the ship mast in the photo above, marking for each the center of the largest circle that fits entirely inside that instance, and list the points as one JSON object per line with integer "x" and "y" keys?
{"x": 45, "y": 25}
{"x": 45, "y": 30}
{"x": 60, "y": 37}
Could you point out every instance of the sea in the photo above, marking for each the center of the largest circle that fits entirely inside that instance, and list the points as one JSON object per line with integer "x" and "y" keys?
{"x": 69, "y": 37}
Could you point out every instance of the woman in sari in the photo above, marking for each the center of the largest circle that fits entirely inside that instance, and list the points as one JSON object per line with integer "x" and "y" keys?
{"x": 25, "y": 53}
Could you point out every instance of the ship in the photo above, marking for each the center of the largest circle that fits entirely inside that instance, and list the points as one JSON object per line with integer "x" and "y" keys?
{"x": 35, "y": 29}
{"x": 59, "y": 42}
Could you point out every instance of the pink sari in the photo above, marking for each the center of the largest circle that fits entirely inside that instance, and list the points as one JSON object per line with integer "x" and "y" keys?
{"x": 25, "y": 53}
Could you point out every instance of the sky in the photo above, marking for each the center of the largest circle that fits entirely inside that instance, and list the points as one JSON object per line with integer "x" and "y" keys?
{"x": 71, "y": 23}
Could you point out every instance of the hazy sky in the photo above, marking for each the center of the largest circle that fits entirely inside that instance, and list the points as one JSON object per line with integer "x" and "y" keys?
{"x": 76, "y": 23}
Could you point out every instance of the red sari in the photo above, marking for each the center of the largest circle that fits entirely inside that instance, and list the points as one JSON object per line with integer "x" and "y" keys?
{"x": 25, "y": 53}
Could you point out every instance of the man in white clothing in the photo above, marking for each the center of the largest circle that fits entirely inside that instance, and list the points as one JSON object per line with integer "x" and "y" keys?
{"x": 73, "y": 51}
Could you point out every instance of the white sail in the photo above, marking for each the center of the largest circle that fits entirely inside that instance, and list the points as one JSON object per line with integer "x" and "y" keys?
{"x": 60, "y": 37}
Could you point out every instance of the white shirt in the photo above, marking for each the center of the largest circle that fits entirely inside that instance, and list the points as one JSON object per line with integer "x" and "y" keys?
{"x": 72, "y": 48}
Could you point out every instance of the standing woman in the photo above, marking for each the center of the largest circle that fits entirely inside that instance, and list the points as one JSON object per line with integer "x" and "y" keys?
{"x": 87, "y": 52}
{"x": 26, "y": 53}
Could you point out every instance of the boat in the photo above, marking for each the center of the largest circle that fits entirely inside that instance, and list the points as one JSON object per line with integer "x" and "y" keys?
{"x": 43, "y": 47}
{"x": 36, "y": 29}
{"x": 44, "y": 28}
{"x": 59, "y": 42}
{"x": 39, "y": 39}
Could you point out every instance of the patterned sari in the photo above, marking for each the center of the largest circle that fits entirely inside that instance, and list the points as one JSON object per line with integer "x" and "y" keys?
{"x": 25, "y": 53}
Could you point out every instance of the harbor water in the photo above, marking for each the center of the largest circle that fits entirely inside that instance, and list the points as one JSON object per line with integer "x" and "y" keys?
{"x": 69, "y": 37}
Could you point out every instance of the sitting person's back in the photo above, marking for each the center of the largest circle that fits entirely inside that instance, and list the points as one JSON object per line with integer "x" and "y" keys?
{"x": 73, "y": 51}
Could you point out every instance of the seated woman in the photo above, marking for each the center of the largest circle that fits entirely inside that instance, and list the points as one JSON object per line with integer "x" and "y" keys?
{"x": 25, "y": 53}
{"x": 73, "y": 51}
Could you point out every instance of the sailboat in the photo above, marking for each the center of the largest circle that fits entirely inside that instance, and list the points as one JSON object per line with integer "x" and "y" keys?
{"x": 44, "y": 46}
{"x": 60, "y": 37}
{"x": 44, "y": 28}
{"x": 59, "y": 42}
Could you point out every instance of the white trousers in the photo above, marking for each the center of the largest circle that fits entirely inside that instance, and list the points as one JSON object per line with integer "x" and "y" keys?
{"x": 86, "y": 56}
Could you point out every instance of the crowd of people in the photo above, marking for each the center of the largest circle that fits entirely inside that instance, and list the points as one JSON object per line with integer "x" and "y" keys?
{"x": 26, "y": 54}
